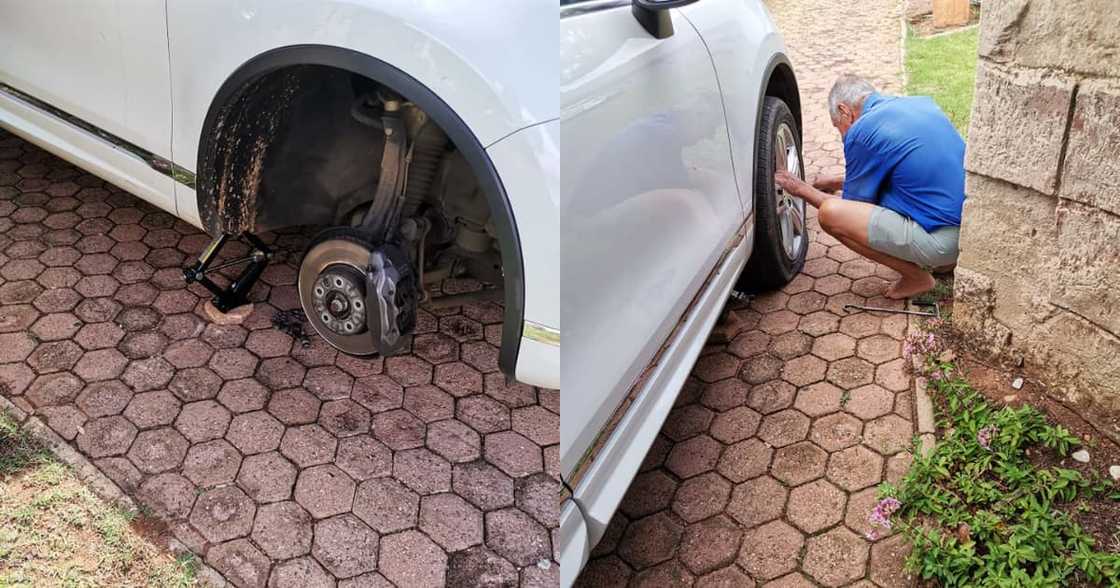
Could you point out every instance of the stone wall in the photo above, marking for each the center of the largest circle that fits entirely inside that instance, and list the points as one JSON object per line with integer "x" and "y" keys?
{"x": 1039, "y": 272}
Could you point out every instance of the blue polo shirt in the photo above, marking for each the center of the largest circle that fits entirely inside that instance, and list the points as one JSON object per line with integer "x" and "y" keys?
{"x": 902, "y": 153}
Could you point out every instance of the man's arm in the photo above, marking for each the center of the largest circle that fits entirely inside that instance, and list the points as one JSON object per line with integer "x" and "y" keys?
{"x": 798, "y": 187}
{"x": 829, "y": 183}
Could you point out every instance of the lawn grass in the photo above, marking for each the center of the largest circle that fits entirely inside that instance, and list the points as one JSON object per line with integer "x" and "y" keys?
{"x": 55, "y": 532}
{"x": 944, "y": 67}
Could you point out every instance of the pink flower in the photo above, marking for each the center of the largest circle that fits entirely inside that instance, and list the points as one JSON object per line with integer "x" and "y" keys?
{"x": 984, "y": 436}
{"x": 881, "y": 514}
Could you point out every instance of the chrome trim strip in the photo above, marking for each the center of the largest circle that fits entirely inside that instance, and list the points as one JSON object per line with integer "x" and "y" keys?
{"x": 541, "y": 334}
{"x": 580, "y": 8}
{"x": 161, "y": 165}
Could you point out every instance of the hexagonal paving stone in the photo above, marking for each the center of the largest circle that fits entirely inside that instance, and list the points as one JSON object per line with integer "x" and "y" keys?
{"x": 223, "y": 513}
{"x": 804, "y": 370}
{"x": 725, "y": 394}
{"x": 294, "y": 406}
{"x": 255, "y": 432}
{"x": 735, "y": 425}
{"x": 513, "y": 395}
{"x": 710, "y": 545}
{"x": 267, "y": 477}
{"x": 308, "y": 445}
{"x": 539, "y": 424}
{"x": 364, "y": 457}
{"x": 834, "y": 346}
{"x": 148, "y": 374}
{"x": 211, "y": 463}
{"x": 892, "y": 376}
{"x": 851, "y": 373}
{"x": 536, "y": 496}
{"x": 158, "y": 450}
{"x": 879, "y": 349}
{"x": 716, "y": 367}
{"x": 860, "y": 505}
{"x": 836, "y": 557}
{"x": 771, "y": 550}
{"x": 423, "y": 471}
{"x": 701, "y": 497}
{"x": 345, "y": 546}
{"x": 411, "y": 559}
{"x": 761, "y": 369}
{"x": 483, "y": 485}
{"x": 54, "y": 357}
{"x": 757, "y": 501}
{"x": 344, "y": 418}
{"x": 283, "y": 530}
{"x": 836, "y": 431}
{"x": 455, "y": 441}
{"x": 233, "y": 363}
{"x": 458, "y": 379}
{"x": 745, "y": 460}
{"x": 152, "y": 409}
{"x": 512, "y": 453}
{"x": 870, "y": 401}
{"x": 169, "y": 495}
{"x": 783, "y": 428}
{"x": 728, "y": 577}
{"x": 283, "y": 372}
{"x": 648, "y": 493}
{"x": 888, "y": 434}
{"x": 790, "y": 345}
{"x": 887, "y": 562}
{"x": 301, "y": 572}
{"x": 193, "y": 384}
{"x": 670, "y": 573}
{"x": 408, "y": 371}
{"x": 106, "y": 436}
{"x": 328, "y": 383}
{"x": 695, "y": 456}
{"x": 99, "y": 336}
{"x": 65, "y": 420}
{"x": 243, "y": 395}
{"x": 771, "y": 397}
{"x": 380, "y": 393}
{"x": 749, "y": 344}
{"x": 324, "y": 490}
{"x": 855, "y": 468}
{"x": 203, "y": 421}
{"x": 776, "y": 323}
{"x": 398, "y": 429}
{"x": 816, "y": 506}
{"x": 104, "y": 399}
{"x": 240, "y": 562}
{"x": 479, "y": 566}
{"x": 798, "y": 463}
{"x": 451, "y": 521}
{"x": 818, "y": 399}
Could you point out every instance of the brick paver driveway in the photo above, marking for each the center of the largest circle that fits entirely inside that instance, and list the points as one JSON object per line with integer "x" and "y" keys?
{"x": 279, "y": 463}
{"x": 765, "y": 472}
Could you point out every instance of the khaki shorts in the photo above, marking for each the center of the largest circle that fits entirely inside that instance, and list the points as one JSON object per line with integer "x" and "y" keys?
{"x": 898, "y": 236}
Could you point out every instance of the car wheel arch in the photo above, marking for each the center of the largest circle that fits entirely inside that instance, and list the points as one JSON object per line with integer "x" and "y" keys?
{"x": 223, "y": 208}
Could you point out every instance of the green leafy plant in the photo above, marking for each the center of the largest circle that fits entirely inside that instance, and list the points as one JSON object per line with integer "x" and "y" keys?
{"x": 977, "y": 511}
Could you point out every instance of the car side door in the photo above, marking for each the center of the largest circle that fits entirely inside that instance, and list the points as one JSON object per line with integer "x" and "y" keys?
{"x": 648, "y": 201}
{"x": 102, "y": 66}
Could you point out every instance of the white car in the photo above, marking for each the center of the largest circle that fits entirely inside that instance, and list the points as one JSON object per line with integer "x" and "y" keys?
{"x": 409, "y": 129}
{"x": 674, "y": 117}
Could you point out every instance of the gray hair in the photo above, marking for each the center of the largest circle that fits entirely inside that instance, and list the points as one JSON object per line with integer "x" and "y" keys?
{"x": 849, "y": 89}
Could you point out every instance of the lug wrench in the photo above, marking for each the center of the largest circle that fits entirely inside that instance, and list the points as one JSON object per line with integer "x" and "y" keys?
{"x": 849, "y": 308}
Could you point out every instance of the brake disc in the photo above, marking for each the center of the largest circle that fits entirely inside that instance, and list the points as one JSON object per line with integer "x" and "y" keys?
{"x": 335, "y": 292}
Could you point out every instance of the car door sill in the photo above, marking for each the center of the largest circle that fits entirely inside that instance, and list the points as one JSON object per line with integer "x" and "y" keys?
{"x": 667, "y": 371}
{"x": 159, "y": 164}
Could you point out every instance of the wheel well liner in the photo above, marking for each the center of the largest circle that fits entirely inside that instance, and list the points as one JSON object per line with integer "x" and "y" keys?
{"x": 209, "y": 168}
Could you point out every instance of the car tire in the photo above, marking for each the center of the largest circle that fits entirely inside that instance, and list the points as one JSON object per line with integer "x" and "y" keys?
{"x": 781, "y": 236}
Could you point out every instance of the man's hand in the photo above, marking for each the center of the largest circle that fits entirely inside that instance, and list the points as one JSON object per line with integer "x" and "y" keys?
{"x": 828, "y": 183}
{"x": 790, "y": 183}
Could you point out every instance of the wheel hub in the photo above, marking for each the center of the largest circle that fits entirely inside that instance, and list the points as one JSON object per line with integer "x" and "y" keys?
{"x": 339, "y": 300}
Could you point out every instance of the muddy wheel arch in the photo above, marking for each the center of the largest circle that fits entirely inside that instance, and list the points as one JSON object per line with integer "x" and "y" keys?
{"x": 243, "y": 117}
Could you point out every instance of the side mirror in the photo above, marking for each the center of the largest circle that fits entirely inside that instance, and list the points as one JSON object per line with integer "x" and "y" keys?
{"x": 654, "y": 16}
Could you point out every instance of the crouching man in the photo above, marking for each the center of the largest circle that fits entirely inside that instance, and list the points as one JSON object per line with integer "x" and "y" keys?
{"x": 903, "y": 187}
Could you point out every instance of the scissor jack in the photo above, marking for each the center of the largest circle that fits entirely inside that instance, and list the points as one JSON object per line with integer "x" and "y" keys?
{"x": 236, "y": 293}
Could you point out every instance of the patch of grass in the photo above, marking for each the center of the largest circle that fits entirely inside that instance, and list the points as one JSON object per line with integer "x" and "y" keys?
{"x": 983, "y": 508}
{"x": 944, "y": 67}
{"x": 55, "y": 532}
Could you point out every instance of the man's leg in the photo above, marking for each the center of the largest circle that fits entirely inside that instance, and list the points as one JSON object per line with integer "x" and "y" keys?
{"x": 847, "y": 221}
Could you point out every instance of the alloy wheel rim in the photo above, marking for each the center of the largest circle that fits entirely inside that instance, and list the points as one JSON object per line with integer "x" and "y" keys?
{"x": 790, "y": 209}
